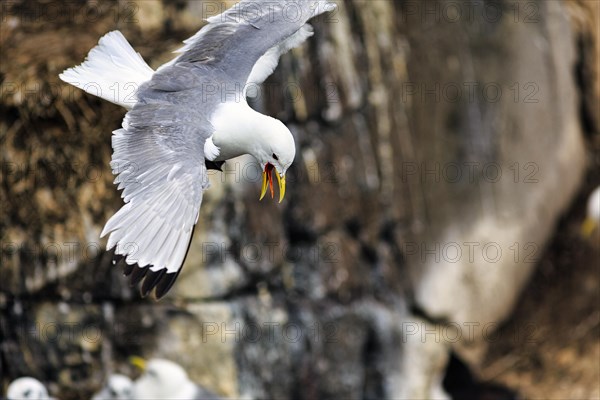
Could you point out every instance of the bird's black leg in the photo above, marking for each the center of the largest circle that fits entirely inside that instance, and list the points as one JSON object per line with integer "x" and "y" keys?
{"x": 216, "y": 165}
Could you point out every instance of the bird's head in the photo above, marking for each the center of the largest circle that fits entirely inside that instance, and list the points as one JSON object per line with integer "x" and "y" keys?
{"x": 275, "y": 154}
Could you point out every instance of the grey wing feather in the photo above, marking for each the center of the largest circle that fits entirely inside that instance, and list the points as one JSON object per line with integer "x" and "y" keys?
{"x": 265, "y": 65}
{"x": 251, "y": 31}
{"x": 159, "y": 162}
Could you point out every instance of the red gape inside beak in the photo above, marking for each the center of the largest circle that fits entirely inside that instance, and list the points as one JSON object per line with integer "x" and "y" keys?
{"x": 267, "y": 179}
{"x": 267, "y": 176}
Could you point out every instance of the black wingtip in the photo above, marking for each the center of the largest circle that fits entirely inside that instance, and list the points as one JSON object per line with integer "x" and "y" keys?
{"x": 119, "y": 262}
{"x": 160, "y": 281}
{"x": 117, "y": 259}
{"x": 166, "y": 284}
{"x": 128, "y": 269}
{"x": 152, "y": 279}
{"x": 137, "y": 275}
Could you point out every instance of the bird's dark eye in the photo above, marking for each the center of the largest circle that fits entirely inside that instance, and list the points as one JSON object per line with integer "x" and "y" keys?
{"x": 27, "y": 393}
{"x": 275, "y": 157}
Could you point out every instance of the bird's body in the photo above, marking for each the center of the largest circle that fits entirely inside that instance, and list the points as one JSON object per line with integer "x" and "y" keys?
{"x": 117, "y": 387}
{"x": 190, "y": 112}
{"x": 27, "y": 388}
{"x": 164, "y": 379}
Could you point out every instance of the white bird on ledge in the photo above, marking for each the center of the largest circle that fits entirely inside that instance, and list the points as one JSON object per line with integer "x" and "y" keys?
{"x": 27, "y": 388}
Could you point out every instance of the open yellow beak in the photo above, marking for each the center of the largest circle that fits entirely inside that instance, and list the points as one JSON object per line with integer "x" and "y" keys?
{"x": 267, "y": 181}
{"x": 138, "y": 362}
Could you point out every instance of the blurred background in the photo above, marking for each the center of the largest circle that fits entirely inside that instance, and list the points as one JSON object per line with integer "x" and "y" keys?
{"x": 429, "y": 245}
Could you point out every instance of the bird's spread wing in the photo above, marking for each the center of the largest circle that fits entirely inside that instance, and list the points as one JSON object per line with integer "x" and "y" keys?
{"x": 159, "y": 153}
{"x": 246, "y": 41}
{"x": 159, "y": 162}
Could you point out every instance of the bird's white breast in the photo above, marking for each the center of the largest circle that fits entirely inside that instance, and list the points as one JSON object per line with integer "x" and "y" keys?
{"x": 237, "y": 128}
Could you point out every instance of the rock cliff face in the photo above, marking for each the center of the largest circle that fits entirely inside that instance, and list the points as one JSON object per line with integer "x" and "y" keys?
{"x": 437, "y": 145}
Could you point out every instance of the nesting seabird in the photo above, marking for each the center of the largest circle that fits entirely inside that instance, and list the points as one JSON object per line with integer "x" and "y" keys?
{"x": 189, "y": 115}
{"x": 117, "y": 387}
{"x": 27, "y": 388}
{"x": 164, "y": 379}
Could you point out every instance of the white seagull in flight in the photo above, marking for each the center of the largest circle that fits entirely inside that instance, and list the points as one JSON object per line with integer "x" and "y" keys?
{"x": 189, "y": 115}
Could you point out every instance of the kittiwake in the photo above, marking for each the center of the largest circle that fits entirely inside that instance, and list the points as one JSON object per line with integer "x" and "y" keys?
{"x": 27, "y": 388}
{"x": 189, "y": 115}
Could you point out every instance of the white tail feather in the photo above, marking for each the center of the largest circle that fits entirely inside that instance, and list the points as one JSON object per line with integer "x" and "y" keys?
{"x": 113, "y": 70}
